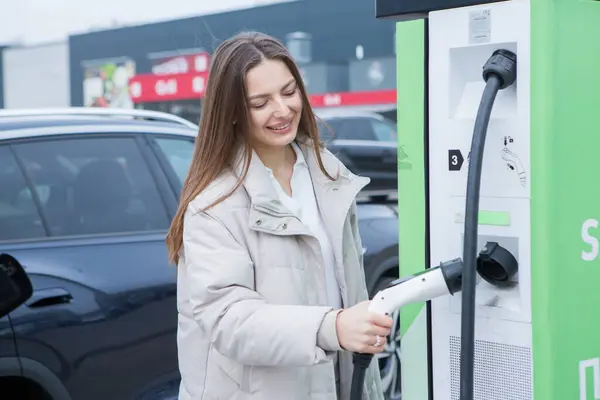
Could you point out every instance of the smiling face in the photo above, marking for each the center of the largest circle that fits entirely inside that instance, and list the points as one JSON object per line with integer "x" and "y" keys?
{"x": 274, "y": 104}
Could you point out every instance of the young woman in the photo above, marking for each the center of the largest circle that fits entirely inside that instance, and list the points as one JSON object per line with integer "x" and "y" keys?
{"x": 272, "y": 298}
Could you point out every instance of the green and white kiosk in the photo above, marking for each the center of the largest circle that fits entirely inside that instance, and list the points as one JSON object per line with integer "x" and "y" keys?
{"x": 537, "y": 336}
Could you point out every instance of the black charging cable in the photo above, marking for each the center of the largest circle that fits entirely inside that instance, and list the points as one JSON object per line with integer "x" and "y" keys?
{"x": 499, "y": 72}
{"x": 361, "y": 362}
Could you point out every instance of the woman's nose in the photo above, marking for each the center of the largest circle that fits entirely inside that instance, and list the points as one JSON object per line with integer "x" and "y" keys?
{"x": 281, "y": 108}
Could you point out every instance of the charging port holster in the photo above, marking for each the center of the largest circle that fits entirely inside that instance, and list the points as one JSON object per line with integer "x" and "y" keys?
{"x": 496, "y": 265}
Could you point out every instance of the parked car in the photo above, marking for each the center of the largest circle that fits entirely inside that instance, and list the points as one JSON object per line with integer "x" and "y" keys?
{"x": 87, "y": 197}
{"x": 365, "y": 142}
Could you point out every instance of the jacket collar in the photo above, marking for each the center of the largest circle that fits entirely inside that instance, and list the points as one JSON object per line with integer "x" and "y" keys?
{"x": 334, "y": 198}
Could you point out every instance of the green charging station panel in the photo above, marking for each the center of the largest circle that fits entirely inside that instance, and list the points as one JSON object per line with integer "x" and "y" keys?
{"x": 539, "y": 339}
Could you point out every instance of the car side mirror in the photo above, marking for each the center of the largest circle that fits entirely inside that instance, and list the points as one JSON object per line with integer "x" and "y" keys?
{"x": 15, "y": 286}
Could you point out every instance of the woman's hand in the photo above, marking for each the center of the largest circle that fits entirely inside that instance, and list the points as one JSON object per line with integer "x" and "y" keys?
{"x": 358, "y": 329}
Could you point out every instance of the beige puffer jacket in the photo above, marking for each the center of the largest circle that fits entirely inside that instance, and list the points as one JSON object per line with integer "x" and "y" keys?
{"x": 253, "y": 319}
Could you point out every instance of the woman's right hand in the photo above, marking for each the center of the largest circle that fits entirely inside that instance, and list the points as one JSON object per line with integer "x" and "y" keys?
{"x": 358, "y": 328}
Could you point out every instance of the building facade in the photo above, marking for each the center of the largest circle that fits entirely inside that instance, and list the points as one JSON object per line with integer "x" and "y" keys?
{"x": 35, "y": 76}
{"x": 346, "y": 56}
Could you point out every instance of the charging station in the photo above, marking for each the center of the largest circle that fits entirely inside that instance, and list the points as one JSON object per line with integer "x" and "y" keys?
{"x": 535, "y": 336}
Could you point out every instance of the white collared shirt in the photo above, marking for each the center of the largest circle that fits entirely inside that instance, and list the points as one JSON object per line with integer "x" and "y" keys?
{"x": 303, "y": 204}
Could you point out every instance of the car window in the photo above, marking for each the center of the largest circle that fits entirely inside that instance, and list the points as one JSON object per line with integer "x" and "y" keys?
{"x": 178, "y": 153}
{"x": 327, "y": 130}
{"x": 19, "y": 217}
{"x": 93, "y": 185}
{"x": 386, "y": 132}
{"x": 352, "y": 128}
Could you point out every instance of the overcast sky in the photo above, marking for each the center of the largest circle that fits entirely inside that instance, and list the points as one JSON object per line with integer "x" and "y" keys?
{"x": 39, "y": 21}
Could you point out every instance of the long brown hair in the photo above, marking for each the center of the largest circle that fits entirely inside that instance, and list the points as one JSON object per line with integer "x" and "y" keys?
{"x": 225, "y": 103}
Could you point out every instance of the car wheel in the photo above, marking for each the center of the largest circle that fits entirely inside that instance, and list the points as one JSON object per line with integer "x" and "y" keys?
{"x": 389, "y": 358}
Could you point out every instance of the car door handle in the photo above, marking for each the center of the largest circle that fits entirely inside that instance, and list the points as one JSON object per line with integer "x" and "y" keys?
{"x": 49, "y": 297}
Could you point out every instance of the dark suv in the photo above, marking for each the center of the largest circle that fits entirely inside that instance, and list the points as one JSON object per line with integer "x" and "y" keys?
{"x": 366, "y": 143}
{"x": 86, "y": 199}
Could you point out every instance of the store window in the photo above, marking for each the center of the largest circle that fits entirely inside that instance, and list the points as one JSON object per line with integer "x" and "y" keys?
{"x": 187, "y": 109}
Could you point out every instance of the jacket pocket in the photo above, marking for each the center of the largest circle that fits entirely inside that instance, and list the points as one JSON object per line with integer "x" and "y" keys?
{"x": 226, "y": 377}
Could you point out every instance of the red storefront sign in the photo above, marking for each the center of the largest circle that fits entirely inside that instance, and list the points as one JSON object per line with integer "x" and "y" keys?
{"x": 364, "y": 98}
{"x": 147, "y": 88}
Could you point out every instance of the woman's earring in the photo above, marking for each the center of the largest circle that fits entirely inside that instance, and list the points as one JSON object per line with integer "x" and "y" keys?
{"x": 234, "y": 122}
